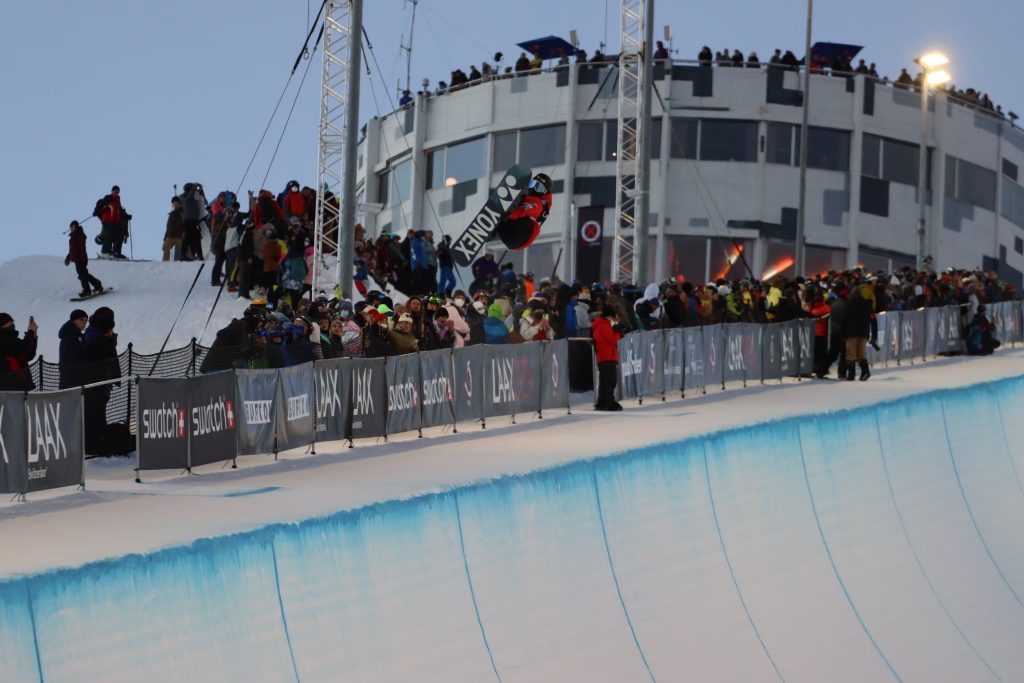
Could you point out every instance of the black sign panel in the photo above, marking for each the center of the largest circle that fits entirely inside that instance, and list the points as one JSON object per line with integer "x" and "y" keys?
{"x": 295, "y": 411}
{"x": 12, "y": 442}
{"x": 163, "y": 419}
{"x": 333, "y": 398}
{"x": 437, "y": 380}
{"x": 54, "y": 431}
{"x": 589, "y": 243}
{"x": 369, "y": 398}
{"x": 212, "y": 421}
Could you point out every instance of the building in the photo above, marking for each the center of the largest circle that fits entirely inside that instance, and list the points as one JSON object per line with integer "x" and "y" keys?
{"x": 725, "y": 169}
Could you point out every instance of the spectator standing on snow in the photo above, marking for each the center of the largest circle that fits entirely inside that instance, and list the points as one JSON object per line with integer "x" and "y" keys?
{"x": 175, "y": 232}
{"x": 193, "y": 203}
{"x": 78, "y": 255}
{"x": 102, "y": 364}
{"x": 606, "y": 348}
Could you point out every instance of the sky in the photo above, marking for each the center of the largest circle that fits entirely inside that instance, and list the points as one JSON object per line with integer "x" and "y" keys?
{"x": 149, "y": 95}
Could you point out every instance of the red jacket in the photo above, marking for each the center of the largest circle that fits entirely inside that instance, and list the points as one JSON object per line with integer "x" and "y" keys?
{"x": 532, "y": 207}
{"x": 112, "y": 212}
{"x": 76, "y": 247}
{"x": 820, "y": 310}
{"x": 606, "y": 340}
{"x": 294, "y": 204}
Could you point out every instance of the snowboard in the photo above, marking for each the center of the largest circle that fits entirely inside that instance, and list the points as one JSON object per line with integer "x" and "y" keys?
{"x": 501, "y": 201}
{"x": 125, "y": 259}
{"x": 94, "y": 295}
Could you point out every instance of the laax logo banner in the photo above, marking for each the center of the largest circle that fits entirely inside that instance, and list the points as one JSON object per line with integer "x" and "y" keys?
{"x": 55, "y": 445}
{"x": 333, "y": 398}
{"x": 369, "y": 398}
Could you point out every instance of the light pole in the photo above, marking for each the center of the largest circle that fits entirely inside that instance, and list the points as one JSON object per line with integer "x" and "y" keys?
{"x": 934, "y": 75}
{"x": 798, "y": 242}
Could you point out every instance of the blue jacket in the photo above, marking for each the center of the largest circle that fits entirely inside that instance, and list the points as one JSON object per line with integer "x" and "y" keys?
{"x": 297, "y": 351}
{"x": 419, "y": 253}
{"x": 495, "y": 331}
{"x": 72, "y": 344}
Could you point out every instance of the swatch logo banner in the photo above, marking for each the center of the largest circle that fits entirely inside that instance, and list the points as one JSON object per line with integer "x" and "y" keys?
{"x": 216, "y": 416}
{"x": 403, "y": 396}
{"x": 437, "y": 388}
{"x": 165, "y": 422}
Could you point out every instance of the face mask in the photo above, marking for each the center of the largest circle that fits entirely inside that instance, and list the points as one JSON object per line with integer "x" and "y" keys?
{"x": 460, "y": 301}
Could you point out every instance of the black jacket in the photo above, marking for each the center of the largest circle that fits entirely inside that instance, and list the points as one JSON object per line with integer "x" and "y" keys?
{"x": 858, "y": 317}
{"x": 101, "y": 355}
{"x": 72, "y": 355}
{"x": 15, "y": 355}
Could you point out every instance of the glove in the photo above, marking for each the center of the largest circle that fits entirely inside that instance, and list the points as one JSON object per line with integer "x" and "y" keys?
{"x": 67, "y": 261}
{"x": 874, "y": 345}
{"x": 314, "y": 333}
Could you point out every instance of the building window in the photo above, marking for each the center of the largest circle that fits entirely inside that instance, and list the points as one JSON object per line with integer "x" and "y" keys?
{"x": 1013, "y": 202}
{"x": 589, "y": 140}
{"x": 542, "y": 146}
{"x": 655, "y": 138}
{"x": 464, "y": 161}
{"x": 382, "y": 187}
{"x": 723, "y": 140}
{"x": 1009, "y": 169}
{"x": 827, "y": 149}
{"x": 611, "y": 140}
{"x": 401, "y": 182}
{"x": 820, "y": 260}
{"x": 970, "y": 183}
{"x": 684, "y": 139}
{"x": 435, "y": 168}
{"x": 504, "y": 151}
{"x": 779, "y": 148}
{"x": 687, "y": 256}
{"x": 871, "y": 156}
{"x": 1018, "y": 245}
{"x": 900, "y": 162}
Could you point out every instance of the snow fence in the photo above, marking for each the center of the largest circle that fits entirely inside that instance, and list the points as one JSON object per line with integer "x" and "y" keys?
{"x": 874, "y": 544}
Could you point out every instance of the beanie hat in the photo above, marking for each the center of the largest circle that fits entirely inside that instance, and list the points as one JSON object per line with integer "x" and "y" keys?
{"x": 494, "y": 311}
{"x": 115, "y": 188}
{"x": 5, "y": 318}
{"x": 607, "y": 310}
{"x": 78, "y": 314}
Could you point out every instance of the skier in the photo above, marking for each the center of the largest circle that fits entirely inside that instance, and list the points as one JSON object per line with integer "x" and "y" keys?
{"x": 78, "y": 255}
{"x": 523, "y": 224}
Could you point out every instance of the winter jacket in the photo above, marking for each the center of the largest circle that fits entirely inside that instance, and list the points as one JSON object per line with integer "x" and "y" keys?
{"x": 297, "y": 350}
{"x": 15, "y": 355}
{"x": 431, "y": 253}
{"x": 77, "y": 252}
{"x": 175, "y": 225}
{"x": 444, "y": 256}
{"x": 859, "y": 312}
{"x": 404, "y": 342}
{"x": 101, "y": 355}
{"x": 267, "y": 210}
{"x": 193, "y": 203}
{"x": 112, "y": 210}
{"x": 271, "y": 256}
{"x": 495, "y": 331}
{"x": 606, "y": 340}
{"x": 459, "y": 325}
{"x": 294, "y": 204}
{"x": 820, "y": 310}
{"x": 377, "y": 342}
{"x": 228, "y": 346}
{"x": 484, "y": 269}
{"x": 531, "y": 331}
{"x": 675, "y": 311}
{"x": 418, "y": 251}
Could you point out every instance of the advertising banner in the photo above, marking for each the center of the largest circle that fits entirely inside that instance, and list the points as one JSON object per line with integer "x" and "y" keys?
{"x": 403, "y": 378}
{"x": 694, "y": 376}
{"x": 212, "y": 430}
{"x": 652, "y": 381}
{"x": 672, "y": 359}
{"x": 714, "y": 348}
{"x": 369, "y": 398}
{"x": 438, "y": 385}
{"x": 511, "y": 379}
{"x": 469, "y": 383}
{"x": 162, "y": 420}
{"x": 554, "y": 390}
{"x": 12, "y": 442}
{"x": 743, "y": 352}
{"x": 332, "y": 380}
{"x": 257, "y": 414}
{"x": 771, "y": 352}
{"x": 805, "y": 338}
{"x": 631, "y": 365}
{"x": 296, "y": 401}
{"x": 589, "y": 243}
{"x": 54, "y": 431}
{"x": 789, "y": 358}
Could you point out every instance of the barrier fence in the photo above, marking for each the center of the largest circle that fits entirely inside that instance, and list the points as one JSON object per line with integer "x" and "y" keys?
{"x": 197, "y": 419}
{"x": 656, "y": 362}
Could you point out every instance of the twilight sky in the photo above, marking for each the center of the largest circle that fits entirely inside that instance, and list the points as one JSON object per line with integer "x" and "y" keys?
{"x": 149, "y": 94}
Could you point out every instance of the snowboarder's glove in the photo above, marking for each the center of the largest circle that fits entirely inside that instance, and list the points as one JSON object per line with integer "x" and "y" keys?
{"x": 67, "y": 261}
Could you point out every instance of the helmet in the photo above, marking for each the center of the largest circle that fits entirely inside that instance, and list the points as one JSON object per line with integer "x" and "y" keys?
{"x": 540, "y": 184}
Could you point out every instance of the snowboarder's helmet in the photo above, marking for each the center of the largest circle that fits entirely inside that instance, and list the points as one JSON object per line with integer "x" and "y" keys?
{"x": 540, "y": 184}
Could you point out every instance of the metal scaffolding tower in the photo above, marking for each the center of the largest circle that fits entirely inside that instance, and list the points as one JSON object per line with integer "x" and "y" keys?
{"x": 630, "y": 66}
{"x": 336, "y": 167}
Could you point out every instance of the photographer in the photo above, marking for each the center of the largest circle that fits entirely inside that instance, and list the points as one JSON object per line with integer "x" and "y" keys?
{"x": 15, "y": 355}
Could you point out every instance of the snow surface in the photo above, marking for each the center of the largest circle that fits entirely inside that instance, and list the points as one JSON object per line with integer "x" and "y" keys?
{"x": 145, "y": 299}
{"x": 872, "y": 544}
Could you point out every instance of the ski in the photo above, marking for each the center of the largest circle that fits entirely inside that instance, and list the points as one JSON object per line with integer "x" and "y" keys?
{"x": 93, "y": 295}
{"x": 502, "y": 200}
{"x": 100, "y": 257}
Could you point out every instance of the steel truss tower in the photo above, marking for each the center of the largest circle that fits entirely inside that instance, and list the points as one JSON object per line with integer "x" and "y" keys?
{"x": 630, "y": 65}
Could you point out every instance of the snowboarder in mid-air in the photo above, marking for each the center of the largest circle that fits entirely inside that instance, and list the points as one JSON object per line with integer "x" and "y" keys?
{"x": 78, "y": 255}
{"x": 524, "y": 221}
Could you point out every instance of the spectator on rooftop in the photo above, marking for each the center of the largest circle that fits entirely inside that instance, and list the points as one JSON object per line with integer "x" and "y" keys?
{"x": 905, "y": 80}
{"x": 523, "y": 63}
{"x": 660, "y": 51}
{"x": 704, "y": 57}
{"x": 752, "y": 61}
{"x": 405, "y": 99}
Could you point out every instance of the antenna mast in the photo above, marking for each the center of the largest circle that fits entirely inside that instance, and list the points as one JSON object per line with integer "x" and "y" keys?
{"x": 408, "y": 48}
